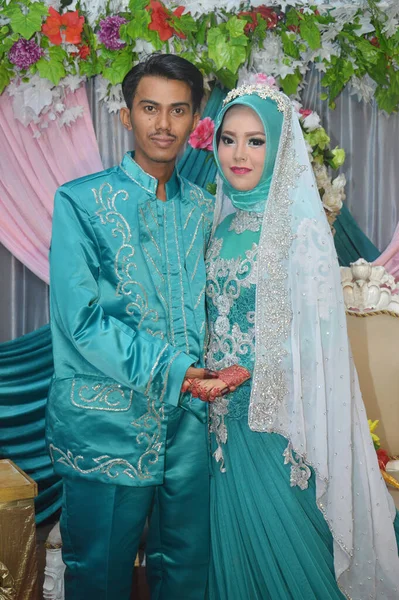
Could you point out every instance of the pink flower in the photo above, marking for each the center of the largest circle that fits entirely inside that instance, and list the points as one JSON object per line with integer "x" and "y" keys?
{"x": 304, "y": 112}
{"x": 202, "y": 136}
{"x": 266, "y": 80}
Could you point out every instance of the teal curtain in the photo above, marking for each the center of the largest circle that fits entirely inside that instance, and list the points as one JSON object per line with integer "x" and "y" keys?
{"x": 26, "y": 363}
{"x": 350, "y": 241}
{"x": 199, "y": 165}
{"x": 26, "y": 367}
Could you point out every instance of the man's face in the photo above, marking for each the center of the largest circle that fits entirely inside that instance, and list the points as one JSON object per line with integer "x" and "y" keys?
{"x": 161, "y": 119}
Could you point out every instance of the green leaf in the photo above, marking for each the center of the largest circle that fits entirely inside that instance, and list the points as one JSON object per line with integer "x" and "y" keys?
{"x": 235, "y": 27}
{"x": 120, "y": 67}
{"x": 136, "y": 5}
{"x": 368, "y": 52}
{"x": 292, "y": 18}
{"x": 310, "y": 33}
{"x": 289, "y": 46}
{"x": 184, "y": 24}
{"x": 88, "y": 68}
{"x": 290, "y": 83}
{"x": 27, "y": 25}
{"x": 226, "y": 54}
{"x": 5, "y": 78}
{"x": 57, "y": 53}
{"x": 52, "y": 70}
{"x": 201, "y": 34}
{"x": 227, "y": 78}
{"x": 318, "y": 137}
{"x": 211, "y": 188}
{"x": 387, "y": 100}
{"x": 338, "y": 158}
{"x": 138, "y": 27}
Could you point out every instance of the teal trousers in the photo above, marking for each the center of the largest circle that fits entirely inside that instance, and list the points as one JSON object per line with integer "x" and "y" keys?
{"x": 101, "y": 525}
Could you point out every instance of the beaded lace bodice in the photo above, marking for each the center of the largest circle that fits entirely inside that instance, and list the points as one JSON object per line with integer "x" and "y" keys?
{"x": 231, "y": 284}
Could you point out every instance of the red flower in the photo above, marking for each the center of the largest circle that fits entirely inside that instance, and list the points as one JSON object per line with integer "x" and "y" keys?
{"x": 375, "y": 42}
{"x": 84, "y": 51}
{"x": 305, "y": 112}
{"x": 63, "y": 28}
{"x": 160, "y": 20}
{"x": 383, "y": 458}
{"x": 267, "y": 14}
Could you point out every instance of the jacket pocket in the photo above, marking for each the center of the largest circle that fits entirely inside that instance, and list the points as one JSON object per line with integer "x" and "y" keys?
{"x": 92, "y": 393}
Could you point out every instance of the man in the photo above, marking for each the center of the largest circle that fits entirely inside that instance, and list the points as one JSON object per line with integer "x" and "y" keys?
{"x": 128, "y": 324}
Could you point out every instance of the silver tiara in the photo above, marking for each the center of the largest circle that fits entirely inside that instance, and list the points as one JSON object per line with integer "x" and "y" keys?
{"x": 263, "y": 91}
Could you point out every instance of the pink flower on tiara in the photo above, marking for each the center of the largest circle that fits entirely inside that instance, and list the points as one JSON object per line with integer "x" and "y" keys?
{"x": 265, "y": 80}
{"x": 202, "y": 136}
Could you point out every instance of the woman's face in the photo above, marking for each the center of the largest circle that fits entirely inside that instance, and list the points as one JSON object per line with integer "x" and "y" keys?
{"x": 242, "y": 148}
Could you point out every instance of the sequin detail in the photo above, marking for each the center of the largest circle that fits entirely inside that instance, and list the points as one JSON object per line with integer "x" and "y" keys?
{"x": 246, "y": 221}
{"x": 263, "y": 91}
{"x": 127, "y": 286}
{"x": 112, "y": 467}
{"x": 300, "y": 472}
{"x": 101, "y": 396}
{"x": 272, "y": 330}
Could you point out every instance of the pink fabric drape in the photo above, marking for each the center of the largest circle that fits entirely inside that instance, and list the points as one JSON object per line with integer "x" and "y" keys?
{"x": 390, "y": 257}
{"x": 31, "y": 169}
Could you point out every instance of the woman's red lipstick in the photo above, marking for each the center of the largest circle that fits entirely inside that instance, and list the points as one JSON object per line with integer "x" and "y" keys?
{"x": 240, "y": 170}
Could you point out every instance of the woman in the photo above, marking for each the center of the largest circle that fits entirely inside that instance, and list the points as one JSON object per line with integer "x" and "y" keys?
{"x": 299, "y": 509}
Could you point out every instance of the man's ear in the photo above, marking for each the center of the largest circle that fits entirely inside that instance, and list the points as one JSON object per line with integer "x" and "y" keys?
{"x": 124, "y": 115}
{"x": 196, "y": 119}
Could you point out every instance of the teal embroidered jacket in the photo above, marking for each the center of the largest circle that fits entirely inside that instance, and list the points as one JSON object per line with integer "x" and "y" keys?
{"x": 127, "y": 283}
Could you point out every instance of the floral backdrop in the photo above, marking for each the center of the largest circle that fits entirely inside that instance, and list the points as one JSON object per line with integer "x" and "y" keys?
{"x": 48, "y": 48}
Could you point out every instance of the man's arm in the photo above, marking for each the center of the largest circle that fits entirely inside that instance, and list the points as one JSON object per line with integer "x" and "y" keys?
{"x": 132, "y": 357}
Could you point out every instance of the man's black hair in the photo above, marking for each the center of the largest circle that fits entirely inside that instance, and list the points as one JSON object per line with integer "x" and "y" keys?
{"x": 168, "y": 66}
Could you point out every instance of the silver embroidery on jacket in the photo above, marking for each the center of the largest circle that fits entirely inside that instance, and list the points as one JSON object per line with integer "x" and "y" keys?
{"x": 101, "y": 396}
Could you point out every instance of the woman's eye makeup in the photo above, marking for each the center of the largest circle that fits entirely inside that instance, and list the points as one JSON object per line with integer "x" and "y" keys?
{"x": 227, "y": 140}
{"x": 256, "y": 142}
{"x": 253, "y": 141}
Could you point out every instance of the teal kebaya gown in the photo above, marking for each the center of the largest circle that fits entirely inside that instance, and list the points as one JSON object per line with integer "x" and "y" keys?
{"x": 268, "y": 540}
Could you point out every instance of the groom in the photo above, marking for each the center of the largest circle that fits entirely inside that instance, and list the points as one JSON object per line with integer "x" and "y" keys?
{"x": 128, "y": 324}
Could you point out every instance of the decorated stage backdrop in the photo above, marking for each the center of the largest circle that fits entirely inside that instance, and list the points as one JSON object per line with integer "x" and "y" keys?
{"x": 47, "y": 52}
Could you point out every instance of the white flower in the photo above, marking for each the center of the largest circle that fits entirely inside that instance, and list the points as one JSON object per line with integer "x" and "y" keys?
{"x": 115, "y": 100}
{"x": 297, "y": 106}
{"x": 363, "y": 88}
{"x": 339, "y": 184}
{"x": 332, "y": 200}
{"x": 391, "y": 27}
{"x": 143, "y": 48}
{"x": 365, "y": 25}
{"x": 312, "y": 122}
{"x": 70, "y": 115}
{"x": 73, "y": 82}
{"x": 323, "y": 180}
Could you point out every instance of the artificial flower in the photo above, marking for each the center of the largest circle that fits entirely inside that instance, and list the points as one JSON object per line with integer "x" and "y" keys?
{"x": 63, "y": 28}
{"x": 109, "y": 32}
{"x": 311, "y": 121}
{"x": 160, "y": 20}
{"x": 202, "y": 136}
{"x": 24, "y": 53}
{"x": 373, "y": 426}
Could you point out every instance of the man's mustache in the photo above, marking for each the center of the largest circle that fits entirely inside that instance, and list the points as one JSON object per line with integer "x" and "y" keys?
{"x": 162, "y": 134}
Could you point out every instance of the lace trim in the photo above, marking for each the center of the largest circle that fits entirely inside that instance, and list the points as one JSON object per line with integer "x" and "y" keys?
{"x": 246, "y": 221}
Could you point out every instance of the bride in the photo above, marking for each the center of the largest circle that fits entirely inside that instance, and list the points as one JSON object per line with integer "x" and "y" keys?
{"x": 298, "y": 506}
